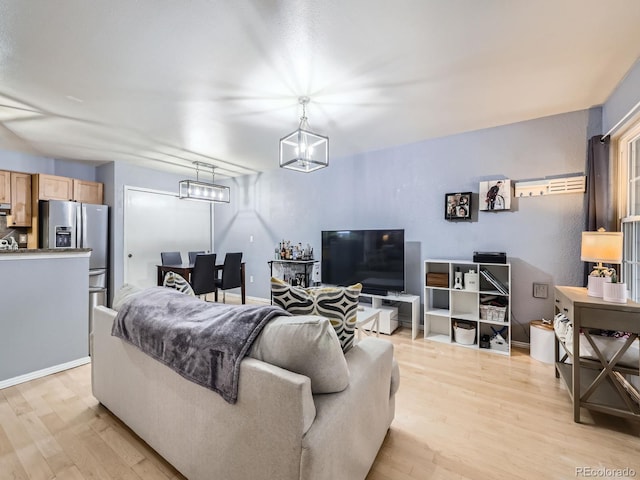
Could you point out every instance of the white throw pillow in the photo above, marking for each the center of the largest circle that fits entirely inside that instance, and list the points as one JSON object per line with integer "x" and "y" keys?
{"x": 123, "y": 294}
{"x": 304, "y": 344}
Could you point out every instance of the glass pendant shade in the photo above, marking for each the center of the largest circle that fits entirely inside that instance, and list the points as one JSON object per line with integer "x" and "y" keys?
{"x": 196, "y": 190}
{"x": 204, "y": 191}
{"x": 304, "y": 150}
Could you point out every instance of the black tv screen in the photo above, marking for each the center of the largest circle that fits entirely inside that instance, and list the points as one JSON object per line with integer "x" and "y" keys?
{"x": 375, "y": 258}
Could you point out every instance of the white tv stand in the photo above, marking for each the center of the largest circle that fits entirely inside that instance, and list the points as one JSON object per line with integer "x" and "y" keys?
{"x": 414, "y": 300}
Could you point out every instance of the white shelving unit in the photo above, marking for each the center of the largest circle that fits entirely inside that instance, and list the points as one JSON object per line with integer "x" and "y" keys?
{"x": 484, "y": 307}
{"x": 377, "y": 302}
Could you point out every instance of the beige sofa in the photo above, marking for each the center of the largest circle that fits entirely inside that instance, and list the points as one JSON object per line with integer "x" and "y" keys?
{"x": 278, "y": 429}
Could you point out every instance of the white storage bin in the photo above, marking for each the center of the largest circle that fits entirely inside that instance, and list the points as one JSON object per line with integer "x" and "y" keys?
{"x": 464, "y": 335}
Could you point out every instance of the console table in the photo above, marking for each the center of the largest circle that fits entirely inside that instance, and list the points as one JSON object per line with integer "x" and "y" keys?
{"x": 597, "y": 384}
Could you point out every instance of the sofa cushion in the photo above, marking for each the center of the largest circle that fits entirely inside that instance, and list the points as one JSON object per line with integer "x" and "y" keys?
{"x": 307, "y": 345}
{"x": 338, "y": 304}
{"x": 123, "y": 294}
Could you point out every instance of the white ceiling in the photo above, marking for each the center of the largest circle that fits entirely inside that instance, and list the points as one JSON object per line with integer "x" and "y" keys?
{"x": 165, "y": 82}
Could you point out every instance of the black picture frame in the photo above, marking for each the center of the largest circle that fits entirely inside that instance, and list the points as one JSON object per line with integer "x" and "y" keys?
{"x": 457, "y": 206}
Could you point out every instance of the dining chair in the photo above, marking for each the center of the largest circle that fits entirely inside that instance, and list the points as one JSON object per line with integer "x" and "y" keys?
{"x": 171, "y": 258}
{"x": 203, "y": 277}
{"x": 193, "y": 255}
{"x": 231, "y": 274}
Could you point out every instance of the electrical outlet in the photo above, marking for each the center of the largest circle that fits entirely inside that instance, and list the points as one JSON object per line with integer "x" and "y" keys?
{"x": 250, "y": 278}
{"x": 250, "y": 238}
{"x": 540, "y": 290}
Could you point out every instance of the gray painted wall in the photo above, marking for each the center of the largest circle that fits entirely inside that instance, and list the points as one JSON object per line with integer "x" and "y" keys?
{"x": 24, "y": 162}
{"x": 44, "y": 319}
{"x": 404, "y": 187}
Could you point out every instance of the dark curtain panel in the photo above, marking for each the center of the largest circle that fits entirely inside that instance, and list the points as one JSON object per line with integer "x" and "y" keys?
{"x": 599, "y": 208}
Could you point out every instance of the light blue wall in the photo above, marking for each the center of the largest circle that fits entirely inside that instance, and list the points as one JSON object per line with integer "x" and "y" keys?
{"x": 623, "y": 99}
{"x": 404, "y": 187}
{"x": 28, "y": 163}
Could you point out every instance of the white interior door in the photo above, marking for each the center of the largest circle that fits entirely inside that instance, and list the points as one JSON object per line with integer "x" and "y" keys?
{"x": 156, "y": 222}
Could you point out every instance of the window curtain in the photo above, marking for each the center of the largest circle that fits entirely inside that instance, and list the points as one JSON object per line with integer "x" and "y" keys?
{"x": 599, "y": 208}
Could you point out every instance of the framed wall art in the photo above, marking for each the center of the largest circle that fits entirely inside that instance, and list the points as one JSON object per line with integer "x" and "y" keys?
{"x": 457, "y": 206}
{"x": 495, "y": 195}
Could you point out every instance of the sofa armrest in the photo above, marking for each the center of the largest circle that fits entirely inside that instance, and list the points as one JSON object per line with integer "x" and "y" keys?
{"x": 351, "y": 425}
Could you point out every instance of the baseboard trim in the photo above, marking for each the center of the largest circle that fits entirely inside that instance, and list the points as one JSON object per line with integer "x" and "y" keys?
{"x": 44, "y": 372}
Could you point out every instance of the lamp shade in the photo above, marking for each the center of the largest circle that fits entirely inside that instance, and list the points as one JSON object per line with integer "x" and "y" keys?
{"x": 602, "y": 247}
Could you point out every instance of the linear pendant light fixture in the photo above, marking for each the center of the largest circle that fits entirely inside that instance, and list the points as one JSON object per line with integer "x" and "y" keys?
{"x": 199, "y": 190}
{"x": 303, "y": 150}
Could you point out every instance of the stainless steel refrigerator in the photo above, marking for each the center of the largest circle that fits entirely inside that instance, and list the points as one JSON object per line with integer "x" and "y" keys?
{"x": 79, "y": 225}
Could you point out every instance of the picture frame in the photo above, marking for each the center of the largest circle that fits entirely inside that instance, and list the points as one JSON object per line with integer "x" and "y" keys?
{"x": 494, "y": 195}
{"x": 457, "y": 206}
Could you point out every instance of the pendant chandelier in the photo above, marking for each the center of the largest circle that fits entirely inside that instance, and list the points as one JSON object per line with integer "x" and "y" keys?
{"x": 303, "y": 150}
{"x": 200, "y": 190}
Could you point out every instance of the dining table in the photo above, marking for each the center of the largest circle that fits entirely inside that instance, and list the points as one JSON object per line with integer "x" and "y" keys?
{"x": 185, "y": 269}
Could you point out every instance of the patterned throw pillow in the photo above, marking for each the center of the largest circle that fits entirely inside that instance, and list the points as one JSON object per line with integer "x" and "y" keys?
{"x": 177, "y": 281}
{"x": 338, "y": 304}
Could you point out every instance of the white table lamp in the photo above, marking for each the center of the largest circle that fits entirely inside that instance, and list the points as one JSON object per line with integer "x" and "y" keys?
{"x": 600, "y": 247}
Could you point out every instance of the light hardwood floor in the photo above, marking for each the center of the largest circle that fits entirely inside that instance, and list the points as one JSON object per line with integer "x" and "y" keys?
{"x": 460, "y": 414}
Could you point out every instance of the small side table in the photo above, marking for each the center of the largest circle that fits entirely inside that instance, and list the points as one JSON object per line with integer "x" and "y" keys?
{"x": 369, "y": 316}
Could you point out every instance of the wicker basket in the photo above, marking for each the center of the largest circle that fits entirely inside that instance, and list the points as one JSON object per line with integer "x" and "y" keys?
{"x": 492, "y": 313}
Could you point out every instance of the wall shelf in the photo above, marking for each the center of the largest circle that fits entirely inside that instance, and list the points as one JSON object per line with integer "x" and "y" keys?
{"x": 551, "y": 186}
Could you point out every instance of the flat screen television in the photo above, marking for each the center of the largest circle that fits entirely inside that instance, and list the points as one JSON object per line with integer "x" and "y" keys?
{"x": 375, "y": 258}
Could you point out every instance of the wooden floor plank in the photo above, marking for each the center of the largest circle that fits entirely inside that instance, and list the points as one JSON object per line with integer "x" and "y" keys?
{"x": 46, "y": 443}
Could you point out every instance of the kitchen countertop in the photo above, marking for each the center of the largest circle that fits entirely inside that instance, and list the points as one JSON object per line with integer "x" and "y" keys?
{"x": 43, "y": 252}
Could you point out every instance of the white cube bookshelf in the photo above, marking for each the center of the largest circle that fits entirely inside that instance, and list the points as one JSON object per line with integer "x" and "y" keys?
{"x": 486, "y": 306}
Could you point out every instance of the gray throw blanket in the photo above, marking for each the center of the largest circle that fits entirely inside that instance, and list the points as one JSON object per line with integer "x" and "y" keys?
{"x": 204, "y": 342}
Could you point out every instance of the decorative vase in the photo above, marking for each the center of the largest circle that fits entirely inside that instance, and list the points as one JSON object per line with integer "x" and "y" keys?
{"x": 594, "y": 285}
{"x": 614, "y": 292}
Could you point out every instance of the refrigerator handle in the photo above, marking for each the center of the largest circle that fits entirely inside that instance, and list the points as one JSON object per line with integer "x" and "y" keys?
{"x": 80, "y": 226}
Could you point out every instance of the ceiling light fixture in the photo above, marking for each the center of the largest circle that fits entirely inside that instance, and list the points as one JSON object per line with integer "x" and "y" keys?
{"x": 208, "y": 192}
{"x": 303, "y": 150}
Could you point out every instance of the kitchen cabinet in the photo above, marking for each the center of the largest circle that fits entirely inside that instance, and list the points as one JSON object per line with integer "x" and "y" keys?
{"x": 5, "y": 186}
{"x": 87, "y": 192}
{"x": 20, "y": 199}
{"x": 53, "y": 187}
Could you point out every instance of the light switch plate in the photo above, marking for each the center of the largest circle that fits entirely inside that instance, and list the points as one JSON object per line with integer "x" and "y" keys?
{"x": 540, "y": 290}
